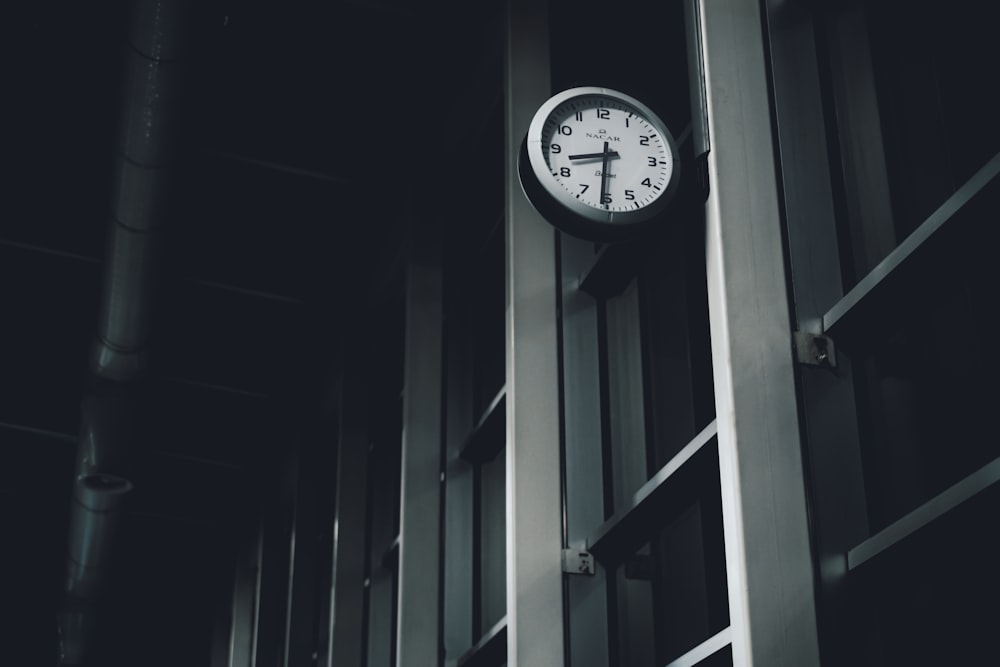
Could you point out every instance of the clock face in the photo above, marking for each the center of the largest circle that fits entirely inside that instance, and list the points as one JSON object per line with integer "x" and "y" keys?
{"x": 601, "y": 162}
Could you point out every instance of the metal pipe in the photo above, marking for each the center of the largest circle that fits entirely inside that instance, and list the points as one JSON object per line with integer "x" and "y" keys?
{"x": 140, "y": 197}
{"x": 95, "y": 514}
{"x": 147, "y": 143}
{"x": 119, "y": 352}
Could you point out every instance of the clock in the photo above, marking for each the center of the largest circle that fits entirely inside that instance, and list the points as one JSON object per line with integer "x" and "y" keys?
{"x": 598, "y": 164}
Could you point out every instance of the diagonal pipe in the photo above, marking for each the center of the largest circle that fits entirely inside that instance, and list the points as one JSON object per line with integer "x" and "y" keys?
{"x": 157, "y": 40}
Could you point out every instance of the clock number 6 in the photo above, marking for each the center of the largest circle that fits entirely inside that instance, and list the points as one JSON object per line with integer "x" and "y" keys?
{"x": 606, "y": 199}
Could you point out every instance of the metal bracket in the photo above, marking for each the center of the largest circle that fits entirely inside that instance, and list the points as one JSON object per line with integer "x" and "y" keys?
{"x": 578, "y": 561}
{"x": 815, "y": 350}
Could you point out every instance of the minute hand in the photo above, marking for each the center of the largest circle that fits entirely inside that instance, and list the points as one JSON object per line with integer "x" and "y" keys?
{"x": 604, "y": 174}
{"x": 584, "y": 156}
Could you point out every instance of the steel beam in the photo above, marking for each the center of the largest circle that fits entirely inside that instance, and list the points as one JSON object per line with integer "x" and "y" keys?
{"x": 418, "y": 631}
{"x": 347, "y": 599}
{"x": 768, "y": 558}
{"x": 534, "y": 516}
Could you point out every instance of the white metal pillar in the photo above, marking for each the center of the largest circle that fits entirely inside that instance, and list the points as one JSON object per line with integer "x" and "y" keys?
{"x": 534, "y": 523}
{"x": 419, "y": 524}
{"x": 771, "y": 597}
{"x": 246, "y": 597}
{"x": 587, "y": 596}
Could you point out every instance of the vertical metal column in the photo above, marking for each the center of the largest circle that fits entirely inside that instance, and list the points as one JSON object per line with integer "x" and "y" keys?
{"x": 839, "y": 511}
{"x": 302, "y": 566}
{"x": 347, "y": 598}
{"x": 771, "y": 599}
{"x": 534, "y": 520}
{"x": 222, "y": 630}
{"x": 458, "y": 504}
{"x": 242, "y": 630}
{"x": 417, "y": 637}
{"x": 587, "y": 596}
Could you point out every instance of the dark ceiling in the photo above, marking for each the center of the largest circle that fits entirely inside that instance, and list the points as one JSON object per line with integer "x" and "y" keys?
{"x": 308, "y": 126}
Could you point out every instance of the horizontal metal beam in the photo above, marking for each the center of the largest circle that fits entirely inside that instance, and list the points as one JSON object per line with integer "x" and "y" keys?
{"x": 487, "y": 437}
{"x": 277, "y": 166}
{"x": 50, "y": 251}
{"x": 624, "y": 533}
{"x": 490, "y": 650}
{"x": 270, "y": 296}
{"x": 214, "y": 387}
{"x": 259, "y": 294}
{"x": 974, "y": 484}
{"x": 704, "y": 650}
{"x": 45, "y": 433}
{"x": 904, "y": 253}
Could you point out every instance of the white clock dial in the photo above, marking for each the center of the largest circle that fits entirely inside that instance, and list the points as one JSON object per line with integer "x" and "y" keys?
{"x": 598, "y": 163}
{"x": 606, "y": 154}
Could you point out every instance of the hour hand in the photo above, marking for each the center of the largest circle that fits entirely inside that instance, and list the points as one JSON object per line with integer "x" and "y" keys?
{"x": 586, "y": 156}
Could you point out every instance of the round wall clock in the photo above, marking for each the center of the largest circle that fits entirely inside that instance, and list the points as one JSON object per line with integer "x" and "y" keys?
{"x": 598, "y": 164}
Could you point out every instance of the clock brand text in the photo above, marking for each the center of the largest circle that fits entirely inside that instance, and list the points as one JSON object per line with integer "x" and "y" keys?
{"x": 602, "y": 137}
{"x": 610, "y": 175}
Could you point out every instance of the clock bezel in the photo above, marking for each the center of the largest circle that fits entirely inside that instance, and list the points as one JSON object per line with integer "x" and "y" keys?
{"x": 559, "y": 206}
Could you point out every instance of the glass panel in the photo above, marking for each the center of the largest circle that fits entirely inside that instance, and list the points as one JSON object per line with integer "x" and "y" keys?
{"x": 924, "y": 384}
{"x": 671, "y": 595}
{"x": 492, "y": 543}
{"x": 474, "y": 561}
{"x": 476, "y": 316}
{"x": 721, "y": 658}
{"x": 656, "y": 361}
{"x": 633, "y": 613}
{"x": 383, "y": 516}
{"x": 626, "y": 424}
{"x": 488, "y": 312}
{"x": 381, "y": 620}
{"x": 383, "y": 503}
{"x": 680, "y": 393}
{"x": 913, "y": 115}
{"x": 931, "y": 599}
{"x": 938, "y": 117}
